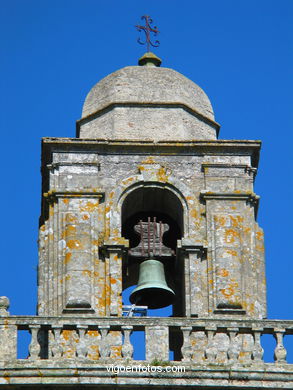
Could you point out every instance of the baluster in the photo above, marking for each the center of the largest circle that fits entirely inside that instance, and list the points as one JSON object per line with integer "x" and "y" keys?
{"x": 56, "y": 349}
{"x": 34, "y": 347}
{"x": 81, "y": 348}
{"x": 211, "y": 350}
{"x": 157, "y": 342}
{"x": 280, "y": 352}
{"x": 222, "y": 343}
{"x": 258, "y": 351}
{"x": 198, "y": 341}
{"x": 127, "y": 347}
{"x": 233, "y": 352}
{"x": 245, "y": 343}
{"x": 105, "y": 348}
{"x": 186, "y": 348}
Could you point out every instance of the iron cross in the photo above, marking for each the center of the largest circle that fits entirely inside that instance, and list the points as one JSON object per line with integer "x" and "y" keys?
{"x": 148, "y": 29}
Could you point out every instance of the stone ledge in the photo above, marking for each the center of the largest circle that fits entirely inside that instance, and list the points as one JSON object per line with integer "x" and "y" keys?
{"x": 125, "y": 146}
{"x": 195, "y": 142}
{"x": 53, "y": 195}
{"x": 244, "y": 323}
{"x": 265, "y": 376}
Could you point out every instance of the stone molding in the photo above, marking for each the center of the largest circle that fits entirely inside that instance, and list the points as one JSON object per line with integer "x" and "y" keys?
{"x": 250, "y": 197}
{"x": 53, "y": 196}
{"x": 84, "y": 374}
{"x": 127, "y": 104}
{"x": 125, "y": 146}
{"x": 247, "y": 169}
{"x": 56, "y": 165}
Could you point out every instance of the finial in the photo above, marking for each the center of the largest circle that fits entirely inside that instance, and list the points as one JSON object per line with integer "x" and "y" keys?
{"x": 149, "y": 59}
{"x": 4, "y": 305}
{"x": 148, "y": 29}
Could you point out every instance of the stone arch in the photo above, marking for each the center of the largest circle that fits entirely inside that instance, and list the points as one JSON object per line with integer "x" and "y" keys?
{"x": 152, "y": 201}
{"x": 135, "y": 182}
{"x": 152, "y": 176}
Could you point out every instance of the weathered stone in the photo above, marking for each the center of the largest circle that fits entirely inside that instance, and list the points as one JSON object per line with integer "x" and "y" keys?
{"x": 4, "y": 305}
{"x": 147, "y": 103}
{"x": 147, "y": 150}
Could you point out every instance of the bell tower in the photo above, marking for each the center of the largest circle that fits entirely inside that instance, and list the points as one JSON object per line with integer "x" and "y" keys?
{"x": 147, "y": 198}
{"x": 146, "y": 194}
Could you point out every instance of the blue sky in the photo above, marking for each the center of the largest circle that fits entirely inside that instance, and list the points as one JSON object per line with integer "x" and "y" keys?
{"x": 54, "y": 51}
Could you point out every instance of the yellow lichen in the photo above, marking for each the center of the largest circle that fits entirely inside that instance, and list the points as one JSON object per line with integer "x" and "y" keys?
{"x": 66, "y": 334}
{"x": 231, "y": 252}
{"x": 223, "y": 272}
{"x": 221, "y": 220}
{"x": 148, "y": 160}
{"x": 69, "y": 230}
{"x": 230, "y": 235}
{"x": 70, "y": 218}
{"x": 162, "y": 175}
{"x": 93, "y": 333}
{"x": 259, "y": 235}
{"x": 90, "y": 207}
{"x": 74, "y": 244}
{"x": 236, "y": 220}
{"x": 260, "y": 248}
{"x": 6, "y": 377}
{"x": 93, "y": 352}
{"x": 194, "y": 213}
{"x": 67, "y": 257}
{"x": 230, "y": 290}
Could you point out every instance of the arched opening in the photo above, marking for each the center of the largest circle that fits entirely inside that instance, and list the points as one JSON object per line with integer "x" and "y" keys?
{"x": 157, "y": 207}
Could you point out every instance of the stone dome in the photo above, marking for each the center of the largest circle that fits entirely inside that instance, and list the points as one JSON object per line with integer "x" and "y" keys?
{"x": 145, "y": 84}
{"x": 147, "y": 102}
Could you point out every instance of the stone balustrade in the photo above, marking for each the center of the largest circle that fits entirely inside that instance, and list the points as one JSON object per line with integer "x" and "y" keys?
{"x": 202, "y": 341}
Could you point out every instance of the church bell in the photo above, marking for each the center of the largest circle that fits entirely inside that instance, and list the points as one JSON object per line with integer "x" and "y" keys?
{"x": 152, "y": 289}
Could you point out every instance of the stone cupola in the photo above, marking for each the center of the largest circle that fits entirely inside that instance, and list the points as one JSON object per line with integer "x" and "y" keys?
{"x": 148, "y": 103}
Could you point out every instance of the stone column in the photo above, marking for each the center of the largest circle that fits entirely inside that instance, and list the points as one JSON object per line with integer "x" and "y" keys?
{"x": 232, "y": 263}
{"x": 195, "y": 270}
{"x": 67, "y": 274}
{"x": 114, "y": 257}
{"x": 8, "y": 333}
{"x": 78, "y": 263}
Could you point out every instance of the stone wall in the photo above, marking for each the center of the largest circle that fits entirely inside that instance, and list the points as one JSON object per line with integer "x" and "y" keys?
{"x": 82, "y": 249}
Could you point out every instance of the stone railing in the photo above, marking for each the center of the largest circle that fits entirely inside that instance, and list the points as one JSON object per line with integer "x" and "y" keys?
{"x": 106, "y": 338}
